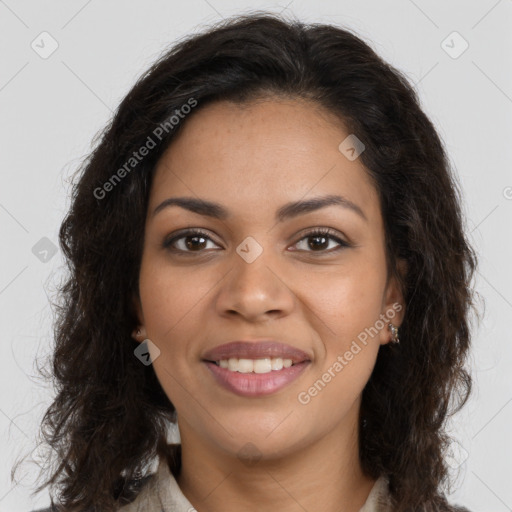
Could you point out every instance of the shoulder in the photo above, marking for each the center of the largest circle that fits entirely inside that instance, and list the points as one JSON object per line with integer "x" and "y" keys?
{"x": 380, "y": 500}
{"x": 138, "y": 490}
{"x": 142, "y": 492}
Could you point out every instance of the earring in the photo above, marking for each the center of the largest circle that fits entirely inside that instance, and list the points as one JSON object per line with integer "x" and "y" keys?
{"x": 394, "y": 332}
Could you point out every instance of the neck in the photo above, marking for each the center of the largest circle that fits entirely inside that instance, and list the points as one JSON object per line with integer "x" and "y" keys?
{"x": 324, "y": 475}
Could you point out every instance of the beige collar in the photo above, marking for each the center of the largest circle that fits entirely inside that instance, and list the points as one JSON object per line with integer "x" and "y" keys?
{"x": 162, "y": 494}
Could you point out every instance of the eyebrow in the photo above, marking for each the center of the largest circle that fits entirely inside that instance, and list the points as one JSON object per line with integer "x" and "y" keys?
{"x": 288, "y": 211}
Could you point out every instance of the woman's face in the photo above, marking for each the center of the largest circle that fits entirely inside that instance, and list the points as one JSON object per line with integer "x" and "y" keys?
{"x": 254, "y": 276}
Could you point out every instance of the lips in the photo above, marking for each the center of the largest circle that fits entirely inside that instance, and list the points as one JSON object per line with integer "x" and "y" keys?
{"x": 254, "y": 385}
{"x": 255, "y": 350}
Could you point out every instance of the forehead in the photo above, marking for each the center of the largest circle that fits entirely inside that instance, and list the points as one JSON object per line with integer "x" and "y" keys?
{"x": 264, "y": 152}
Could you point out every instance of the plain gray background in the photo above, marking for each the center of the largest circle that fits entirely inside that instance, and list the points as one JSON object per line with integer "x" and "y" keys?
{"x": 52, "y": 106}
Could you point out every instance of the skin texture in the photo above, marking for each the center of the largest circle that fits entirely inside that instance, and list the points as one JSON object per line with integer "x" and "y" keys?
{"x": 254, "y": 158}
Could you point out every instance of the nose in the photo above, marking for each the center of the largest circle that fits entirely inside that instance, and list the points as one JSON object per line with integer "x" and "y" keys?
{"x": 256, "y": 290}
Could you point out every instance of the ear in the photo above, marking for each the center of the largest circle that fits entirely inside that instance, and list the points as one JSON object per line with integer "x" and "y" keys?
{"x": 393, "y": 307}
{"x": 139, "y": 333}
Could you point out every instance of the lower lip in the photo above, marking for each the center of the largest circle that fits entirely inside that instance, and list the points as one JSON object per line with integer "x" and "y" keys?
{"x": 256, "y": 384}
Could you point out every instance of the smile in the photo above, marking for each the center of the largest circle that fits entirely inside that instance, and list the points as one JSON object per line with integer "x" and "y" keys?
{"x": 254, "y": 378}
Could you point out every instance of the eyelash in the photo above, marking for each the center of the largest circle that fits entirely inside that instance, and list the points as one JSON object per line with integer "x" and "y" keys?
{"x": 317, "y": 232}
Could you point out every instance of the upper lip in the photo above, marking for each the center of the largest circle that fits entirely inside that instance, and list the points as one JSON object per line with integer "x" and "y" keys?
{"x": 255, "y": 350}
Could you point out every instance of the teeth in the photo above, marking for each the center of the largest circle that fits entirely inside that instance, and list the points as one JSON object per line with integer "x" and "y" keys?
{"x": 265, "y": 365}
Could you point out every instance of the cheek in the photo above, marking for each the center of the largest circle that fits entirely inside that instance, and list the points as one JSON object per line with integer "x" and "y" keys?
{"x": 170, "y": 300}
{"x": 346, "y": 308}
{"x": 169, "y": 295}
{"x": 346, "y": 301}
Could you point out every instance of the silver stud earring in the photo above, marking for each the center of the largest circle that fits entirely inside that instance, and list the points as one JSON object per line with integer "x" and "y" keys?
{"x": 394, "y": 333}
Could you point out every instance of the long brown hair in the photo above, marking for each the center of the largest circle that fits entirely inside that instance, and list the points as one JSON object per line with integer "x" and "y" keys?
{"x": 110, "y": 416}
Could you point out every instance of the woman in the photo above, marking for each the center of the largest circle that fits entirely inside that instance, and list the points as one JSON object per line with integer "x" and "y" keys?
{"x": 266, "y": 248}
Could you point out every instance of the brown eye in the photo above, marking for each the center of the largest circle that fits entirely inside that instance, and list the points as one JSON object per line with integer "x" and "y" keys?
{"x": 319, "y": 240}
{"x": 188, "y": 241}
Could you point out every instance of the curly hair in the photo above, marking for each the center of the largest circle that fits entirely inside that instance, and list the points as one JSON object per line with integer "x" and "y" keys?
{"x": 110, "y": 416}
